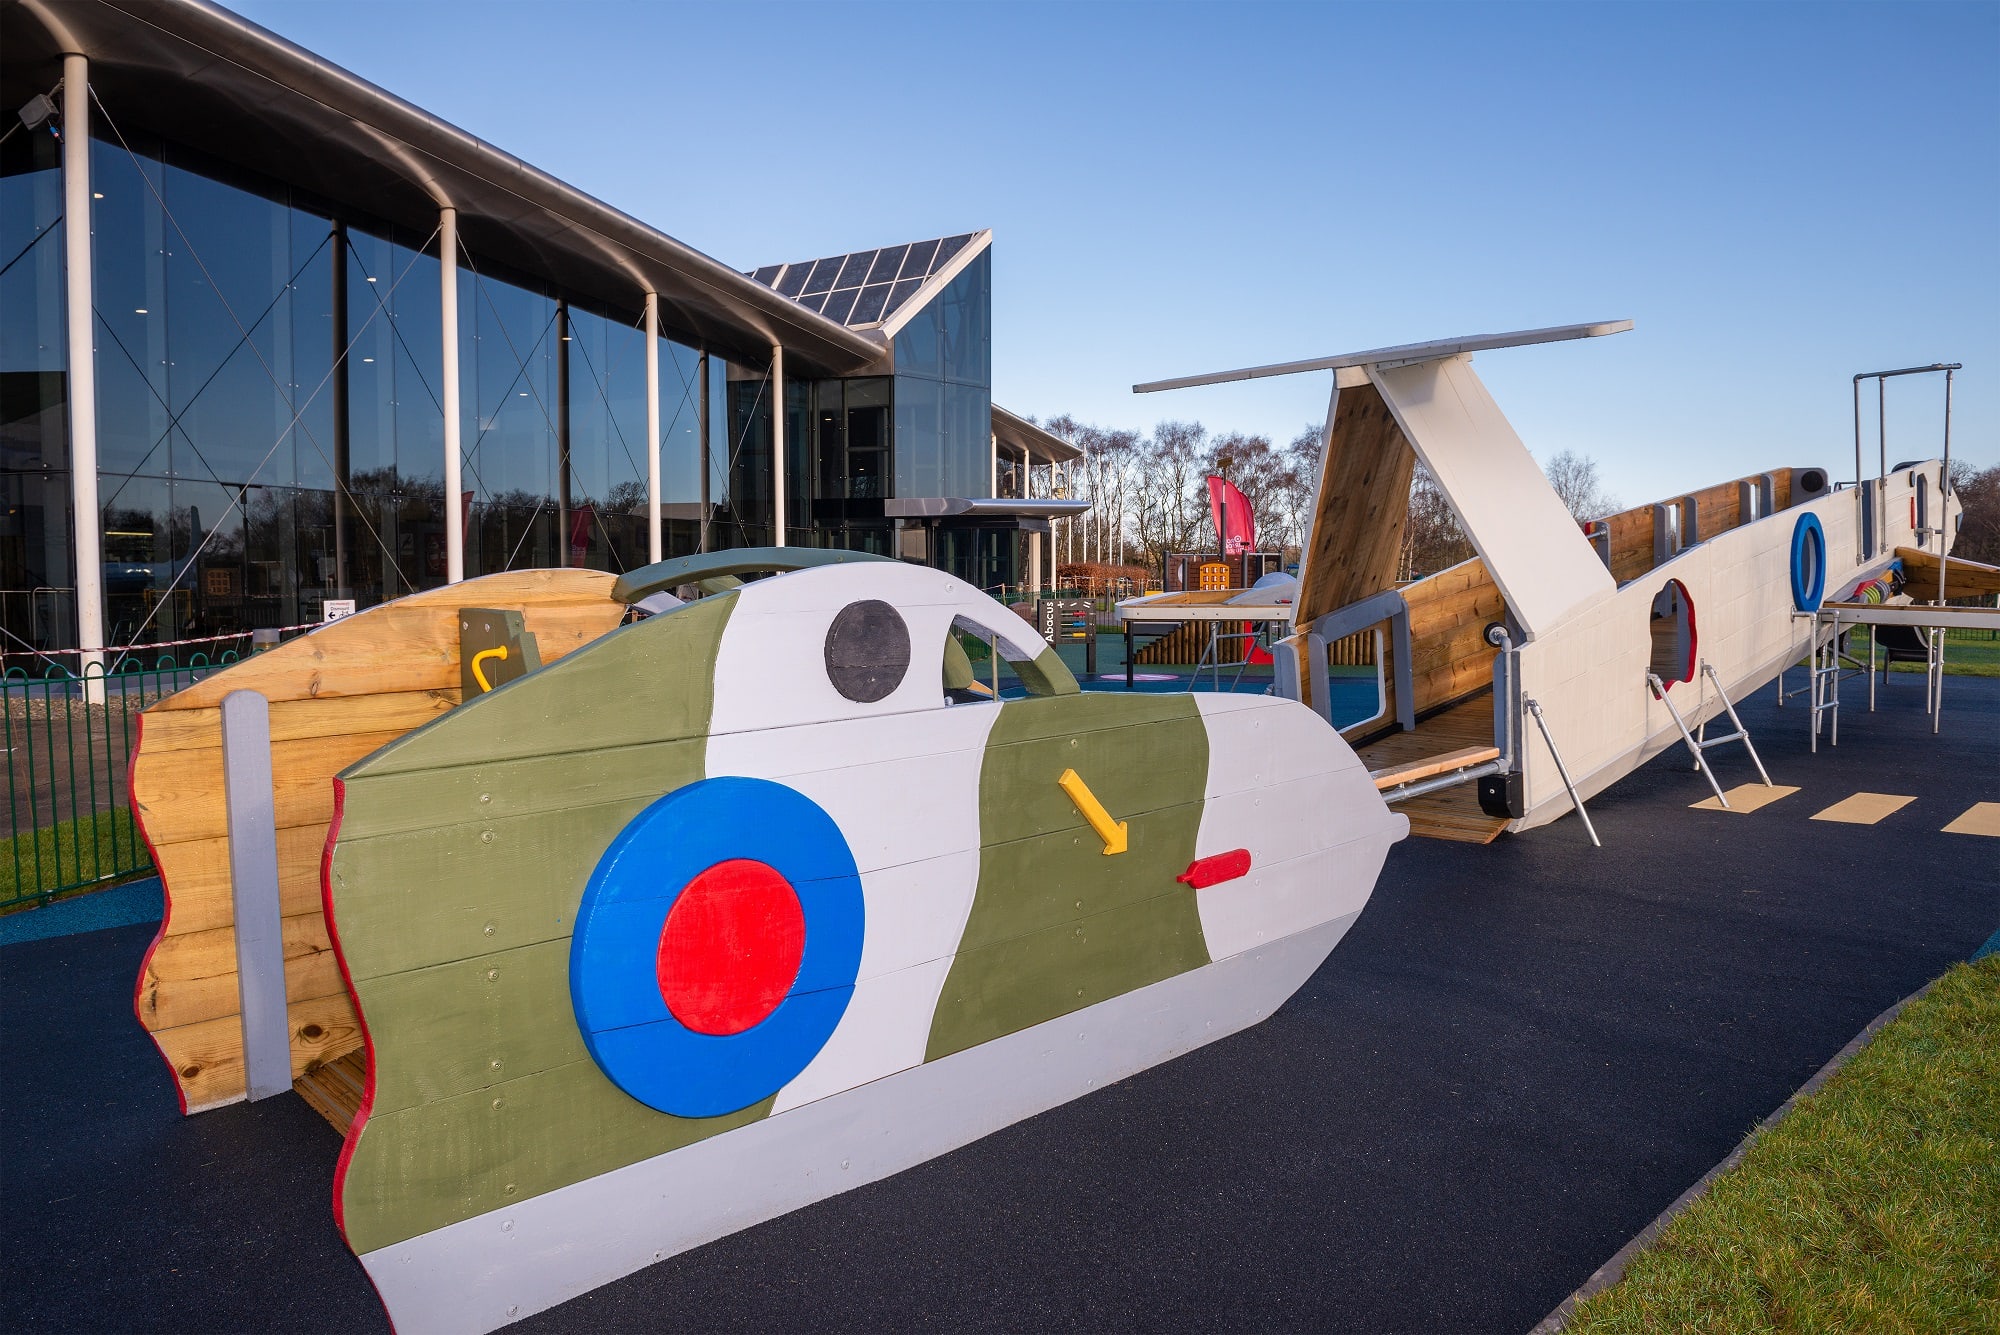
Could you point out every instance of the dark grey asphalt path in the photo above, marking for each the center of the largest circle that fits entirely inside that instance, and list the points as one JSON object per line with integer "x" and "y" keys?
{"x": 1519, "y": 1056}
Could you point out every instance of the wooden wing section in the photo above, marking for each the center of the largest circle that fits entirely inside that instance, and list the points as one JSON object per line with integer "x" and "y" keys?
{"x": 337, "y": 694}
{"x": 1962, "y": 579}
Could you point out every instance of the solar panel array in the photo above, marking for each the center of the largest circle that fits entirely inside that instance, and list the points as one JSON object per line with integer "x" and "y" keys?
{"x": 865, "y": 288}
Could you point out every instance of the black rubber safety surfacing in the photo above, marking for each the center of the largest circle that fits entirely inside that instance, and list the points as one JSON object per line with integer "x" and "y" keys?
{"x": 867, "y": 651}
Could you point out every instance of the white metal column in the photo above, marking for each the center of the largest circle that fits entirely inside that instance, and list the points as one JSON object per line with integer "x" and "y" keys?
{"x": 86, "y": 520}
{"x": 454, "y": 504}
{"x": 653, "y": 547}
{"x": 778, "y": 444}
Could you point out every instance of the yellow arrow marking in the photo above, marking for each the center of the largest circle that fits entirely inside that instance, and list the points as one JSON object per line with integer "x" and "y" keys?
{"x": 479, "y": 665}
{"x": 1112, "y": 832}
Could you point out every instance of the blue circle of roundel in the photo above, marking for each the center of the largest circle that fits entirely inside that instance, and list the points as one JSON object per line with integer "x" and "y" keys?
{"x": 613, "y": 959}
{"x": 1808, "y": 563}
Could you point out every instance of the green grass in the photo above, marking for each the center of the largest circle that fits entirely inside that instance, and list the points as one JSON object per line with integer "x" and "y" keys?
{"x": 1874, "y": 1206}
{"x": 84, "y": 851}
{"x": 1963, "y": 658}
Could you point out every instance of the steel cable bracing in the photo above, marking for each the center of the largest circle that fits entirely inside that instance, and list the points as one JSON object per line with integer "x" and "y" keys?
{"x": 298, "y": 414}
{"x": 174, "y": 418}
{"x": 548, "y": 419}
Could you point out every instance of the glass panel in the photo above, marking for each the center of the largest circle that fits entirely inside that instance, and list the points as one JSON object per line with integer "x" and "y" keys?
{"x": 919, "y": 470}
{"x": 967, "y": 323}
{"x": 966, "y": 449}
{"x": 947, "y": 248}
{"x": 917, "y": 264}
{"x": 918, "y": 346}
{"x": 855, "y": 271}
{"x": 886, "y": 263}
{"x": 794, "y": 281}
{"x": 823, "y": 275}
{"x": 839, "y": 304}
{"x": 813, "y": 303}
{"x": 33, "y": 430}
{"x": 868, "y": 304}
{"x": 766, "y": 274}
{"x": 901, "y": 293}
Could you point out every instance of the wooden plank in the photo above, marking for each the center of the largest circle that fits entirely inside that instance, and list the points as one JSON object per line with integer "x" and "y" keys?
{"x": 207, "y": 1058}
{"x": 334, "y": 1089}
{"x": 294, "y": 720}
{"x": 1962, "y": 579}
{"x": 412, "y": 643}
{"x": 170, "y": 1005}
{"x": 181, "y": 791}
{"x": 337, "y": 694}
{"x": 1463, "y": 758}
{"x": 1363, "y": 504}
{"x": 198, "y": 870}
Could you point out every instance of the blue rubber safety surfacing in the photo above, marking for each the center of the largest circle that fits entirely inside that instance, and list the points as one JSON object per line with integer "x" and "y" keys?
{"x": 614, "y": 980}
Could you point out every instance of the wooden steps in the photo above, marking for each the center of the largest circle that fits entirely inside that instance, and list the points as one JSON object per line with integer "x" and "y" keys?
{"x": 1443, "y": 740}
{"x": 1463, "y": 758}
{"x": 334, "y": 1088}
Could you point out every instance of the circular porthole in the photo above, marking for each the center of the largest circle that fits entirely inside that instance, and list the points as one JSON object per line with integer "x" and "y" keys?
{"x": 1808, "y": 563}
{"x": 867, "y": 651}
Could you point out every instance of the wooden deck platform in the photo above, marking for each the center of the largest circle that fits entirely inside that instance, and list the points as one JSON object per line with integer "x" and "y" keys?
{"x": 1452, "y": 813}
{"x": 334, "y": 1088}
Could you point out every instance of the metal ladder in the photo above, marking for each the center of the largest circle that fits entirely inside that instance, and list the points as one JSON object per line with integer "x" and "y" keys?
{"x": 1697, "y": 745}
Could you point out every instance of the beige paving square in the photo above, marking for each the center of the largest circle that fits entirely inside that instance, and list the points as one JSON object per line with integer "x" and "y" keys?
{"x": 1745, "y": 798}
{"x": 1979, "y": 818}
{"x": 1864, "y": 808}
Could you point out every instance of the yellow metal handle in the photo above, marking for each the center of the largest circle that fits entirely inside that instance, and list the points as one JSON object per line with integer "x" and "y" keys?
{"x": 1112, "y": 832}
{"x": 478, "y": 669}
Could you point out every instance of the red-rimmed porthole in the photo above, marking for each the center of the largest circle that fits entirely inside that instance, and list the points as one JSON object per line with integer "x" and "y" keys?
{"x": 1673, "y": 634}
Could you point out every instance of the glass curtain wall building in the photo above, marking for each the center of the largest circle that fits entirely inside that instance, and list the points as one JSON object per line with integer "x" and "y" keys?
{"x": 267, "y": 313}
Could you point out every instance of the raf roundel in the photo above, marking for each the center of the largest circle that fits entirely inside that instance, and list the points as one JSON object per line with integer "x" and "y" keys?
{"x": 716, "y": 946}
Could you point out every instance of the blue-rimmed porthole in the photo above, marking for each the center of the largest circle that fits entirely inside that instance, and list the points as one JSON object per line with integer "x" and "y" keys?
{"x": 1808, "y": 563}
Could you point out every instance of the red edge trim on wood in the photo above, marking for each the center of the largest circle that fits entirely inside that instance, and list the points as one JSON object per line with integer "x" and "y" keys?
{"x": 166, "y": 913}
{"x": 1213, "y": 870}
{"x": 367, "y": 1104}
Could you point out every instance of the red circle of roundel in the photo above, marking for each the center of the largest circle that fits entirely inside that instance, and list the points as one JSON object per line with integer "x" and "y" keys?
{"x": 730, "y": 948}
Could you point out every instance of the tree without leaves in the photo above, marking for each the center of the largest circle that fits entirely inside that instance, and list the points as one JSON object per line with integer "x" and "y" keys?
{"x": 1574, "y": 477}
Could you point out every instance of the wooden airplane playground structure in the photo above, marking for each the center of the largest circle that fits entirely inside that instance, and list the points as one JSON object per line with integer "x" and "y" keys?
{"x": 1515, "y": 685}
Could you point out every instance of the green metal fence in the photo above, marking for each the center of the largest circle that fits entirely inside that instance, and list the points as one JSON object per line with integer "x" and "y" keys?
{"x": 69, "y": 742}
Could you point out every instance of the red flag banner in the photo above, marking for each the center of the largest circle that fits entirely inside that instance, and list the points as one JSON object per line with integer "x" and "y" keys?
{"x": 1235, "y": 526}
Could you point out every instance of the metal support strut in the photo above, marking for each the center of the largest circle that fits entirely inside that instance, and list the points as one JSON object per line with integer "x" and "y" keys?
{"x": 1534, "y": 707}
{"x": 1697, "y": 747}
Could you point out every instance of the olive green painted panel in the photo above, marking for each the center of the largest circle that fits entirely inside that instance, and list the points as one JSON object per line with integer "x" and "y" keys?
{"x": 423, "y": 1168}
{"x": 504, "y": 789}
{"x": 462, "y": 856}
{"x": 653, "y": 681}
{"x": 491, "y": 1020}
{"x": 1053, "y": 878}
{"x": 1025, "y": 957}
{"x": 1047, "y": 675}
{"x": 409, "y": 901}
{"x": 1000, "y": 989}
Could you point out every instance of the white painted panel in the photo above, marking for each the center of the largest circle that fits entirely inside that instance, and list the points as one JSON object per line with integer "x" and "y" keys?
{"x": 1589, "y": 674}
{"x": 1536, "y": 552}
{"x": 770, "y": 669}
{"x": 1288, "y": 789}
{"x": 1275, "y": 901}
{"x": 885, "y": 1030}
{"x": 484, "y": 1272}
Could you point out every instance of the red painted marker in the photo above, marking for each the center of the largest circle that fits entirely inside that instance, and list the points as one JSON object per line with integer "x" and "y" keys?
{"x": 1204, "y": 872}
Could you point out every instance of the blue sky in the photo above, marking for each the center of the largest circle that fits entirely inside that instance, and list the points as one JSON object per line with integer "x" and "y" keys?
{"x": 1780, "y": 195}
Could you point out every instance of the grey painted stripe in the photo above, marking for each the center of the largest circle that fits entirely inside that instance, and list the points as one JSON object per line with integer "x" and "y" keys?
{"x": 482, "y": 1273}
{"x": 253, "y": 878}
